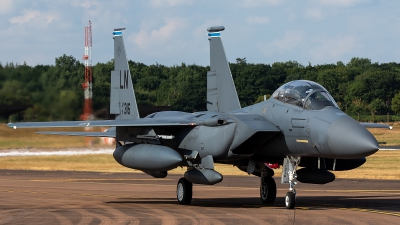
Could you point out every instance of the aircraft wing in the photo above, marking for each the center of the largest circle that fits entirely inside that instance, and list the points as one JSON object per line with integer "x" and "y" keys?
{"x": 145, "y": 122}
{"x": 84, "y": 134}
{"x": 376, "y": 125}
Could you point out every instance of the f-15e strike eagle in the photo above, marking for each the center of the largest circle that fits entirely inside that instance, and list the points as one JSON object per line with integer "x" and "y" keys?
{"x": 301, "y": 120}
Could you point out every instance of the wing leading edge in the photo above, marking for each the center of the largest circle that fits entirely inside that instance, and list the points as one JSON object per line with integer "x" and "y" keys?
{"x": 145, "y": 122}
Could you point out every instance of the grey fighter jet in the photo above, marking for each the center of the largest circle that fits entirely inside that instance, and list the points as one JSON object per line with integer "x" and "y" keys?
{"x": 301, "y": 120}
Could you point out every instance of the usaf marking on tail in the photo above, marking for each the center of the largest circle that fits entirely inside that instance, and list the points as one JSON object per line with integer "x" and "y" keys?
{"x": 300, "y": 125}
{"x": 123, "y": 79}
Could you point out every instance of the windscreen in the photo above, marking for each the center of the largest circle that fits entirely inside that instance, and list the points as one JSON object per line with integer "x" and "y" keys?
{"x": 319, "y": 100}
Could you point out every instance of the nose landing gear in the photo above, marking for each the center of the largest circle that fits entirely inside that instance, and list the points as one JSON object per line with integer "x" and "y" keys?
{"x": 289, "y": 176}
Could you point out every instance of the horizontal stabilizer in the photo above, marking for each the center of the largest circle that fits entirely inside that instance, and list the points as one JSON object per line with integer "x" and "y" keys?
{"x": 376, "y": 125}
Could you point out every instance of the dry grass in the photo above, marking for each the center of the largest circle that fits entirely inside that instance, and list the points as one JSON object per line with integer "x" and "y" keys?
{"x": 27, "y": 138}
{"x": 102, "y": 163}
{"x": 390, "y": 137}
{"x": 98, "y": 163}
{"x": 382, "y": 165}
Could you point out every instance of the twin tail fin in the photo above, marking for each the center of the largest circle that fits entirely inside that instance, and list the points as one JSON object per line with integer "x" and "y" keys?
{"x": 122, "y": 96}
{"x": 221, "y": 91}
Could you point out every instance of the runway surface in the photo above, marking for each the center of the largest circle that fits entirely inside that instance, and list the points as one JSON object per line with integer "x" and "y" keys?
{"x": 45, "y": 197}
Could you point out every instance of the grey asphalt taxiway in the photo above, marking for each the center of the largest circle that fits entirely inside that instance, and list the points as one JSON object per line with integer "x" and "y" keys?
{"x": 48, "y": 197}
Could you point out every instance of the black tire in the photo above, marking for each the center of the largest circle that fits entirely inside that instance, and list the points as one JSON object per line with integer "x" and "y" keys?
{"x": 184, "y": 191}
{"x": 290, "y": 200}
{"x": 268, "y": 190}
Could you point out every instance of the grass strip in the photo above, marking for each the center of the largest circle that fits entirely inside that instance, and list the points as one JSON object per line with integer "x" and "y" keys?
{"x": 382, "y": 165}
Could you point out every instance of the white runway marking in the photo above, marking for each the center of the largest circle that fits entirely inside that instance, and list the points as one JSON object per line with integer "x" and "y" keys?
{"x": 42, "y": 152}
{"x": 389, "y": 149}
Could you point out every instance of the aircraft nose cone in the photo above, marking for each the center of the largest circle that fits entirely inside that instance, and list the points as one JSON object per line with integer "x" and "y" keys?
{"x": 348, "y": 139}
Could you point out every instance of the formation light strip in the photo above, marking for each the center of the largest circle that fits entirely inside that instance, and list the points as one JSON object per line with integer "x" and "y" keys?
{"x": 214, "y": 34}
{"x": 117, "y": 33}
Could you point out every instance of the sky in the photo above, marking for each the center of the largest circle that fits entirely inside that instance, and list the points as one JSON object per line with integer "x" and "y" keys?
{"x": 171, "y": 32}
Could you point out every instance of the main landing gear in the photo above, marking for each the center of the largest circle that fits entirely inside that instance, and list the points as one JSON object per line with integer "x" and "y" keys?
{"x": 184, "y": 191}
{"x": 268, "y": 190}
{"x": 268, "y": 186}
{"x": 184, "y": 188}
{"x": 289, "y": 176}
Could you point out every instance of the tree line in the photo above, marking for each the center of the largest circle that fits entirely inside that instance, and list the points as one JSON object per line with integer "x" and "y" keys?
{"x": 54, "y": 92}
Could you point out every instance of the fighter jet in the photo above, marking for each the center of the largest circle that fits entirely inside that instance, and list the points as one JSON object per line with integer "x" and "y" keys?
{"x": 300, "y": 125}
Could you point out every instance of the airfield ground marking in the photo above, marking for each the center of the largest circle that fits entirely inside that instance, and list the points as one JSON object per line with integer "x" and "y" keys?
{"x": 89, "y": 179}
{"x": 387, "y": 192}
{"x": 78, "y": 180}
{"x": 371, "y": 211}
{"x": 303, "y": 208}
{"x": 76, "y": 194}
{"x": 335, "y": 206}
{"x": 354, "y": 209}
{"x": 138, "y": 197}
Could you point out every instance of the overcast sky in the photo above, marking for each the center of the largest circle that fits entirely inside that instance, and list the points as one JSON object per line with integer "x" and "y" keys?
{"x": 170, "y": 32}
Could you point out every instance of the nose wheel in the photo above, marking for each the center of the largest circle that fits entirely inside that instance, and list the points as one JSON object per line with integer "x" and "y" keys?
{"x": 290, "y": 200}
{"x": 184, "y": 191}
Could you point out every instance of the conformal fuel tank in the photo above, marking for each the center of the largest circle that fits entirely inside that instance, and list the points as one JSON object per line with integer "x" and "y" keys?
{"x": 147, "y": 157}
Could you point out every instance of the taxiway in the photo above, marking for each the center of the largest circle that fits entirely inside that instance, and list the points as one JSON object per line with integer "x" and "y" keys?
{"x": 56, "y": 197}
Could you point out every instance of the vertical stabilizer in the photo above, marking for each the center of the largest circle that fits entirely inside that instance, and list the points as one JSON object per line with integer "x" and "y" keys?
{"x": 221, "y": 91}
{"x": 122, "y": 97}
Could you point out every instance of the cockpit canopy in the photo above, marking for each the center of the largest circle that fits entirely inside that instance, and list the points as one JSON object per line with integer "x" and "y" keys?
{"x": 305, "y": 94}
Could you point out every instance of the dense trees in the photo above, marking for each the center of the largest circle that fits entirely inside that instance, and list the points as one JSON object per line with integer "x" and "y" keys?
{"x": 54, "y": 91}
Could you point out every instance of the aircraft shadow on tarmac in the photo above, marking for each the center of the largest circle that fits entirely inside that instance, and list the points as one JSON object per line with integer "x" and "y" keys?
{"x": 375, "y": 202}
{"x": 203, "y": 202}
{"x": 370, "y": 201}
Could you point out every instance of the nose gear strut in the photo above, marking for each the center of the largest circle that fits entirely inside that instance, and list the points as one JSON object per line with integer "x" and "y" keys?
{"x": 289, "y": 176}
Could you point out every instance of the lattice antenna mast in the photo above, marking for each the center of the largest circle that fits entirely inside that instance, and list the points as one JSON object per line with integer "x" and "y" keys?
{"x": 87, "y": 85}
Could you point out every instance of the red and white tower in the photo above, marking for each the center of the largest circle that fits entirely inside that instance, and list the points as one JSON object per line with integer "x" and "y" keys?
{"x": 87, "y": 85}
